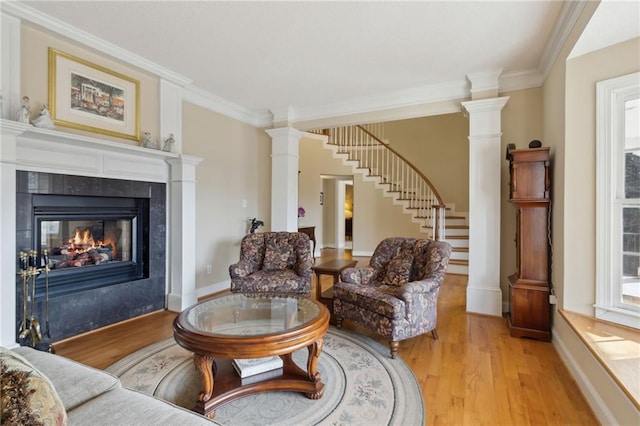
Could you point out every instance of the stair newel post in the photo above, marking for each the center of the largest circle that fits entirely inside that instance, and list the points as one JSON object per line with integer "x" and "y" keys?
{"x": 438, "y": 222}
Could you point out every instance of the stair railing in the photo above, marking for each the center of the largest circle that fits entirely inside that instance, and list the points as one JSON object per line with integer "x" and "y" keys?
{"x": 394, "y": 171}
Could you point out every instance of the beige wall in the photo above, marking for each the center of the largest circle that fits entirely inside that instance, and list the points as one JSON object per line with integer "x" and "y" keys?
{"x": 35, "y": 84}
{"x": 569, "y": 128}
{"x": 236, "y": 166}
{"x": 439, "y": 147}
{"x": 580, "y": 165}
{"x": 521, "y": 123}
{"x": 374, "y": 217}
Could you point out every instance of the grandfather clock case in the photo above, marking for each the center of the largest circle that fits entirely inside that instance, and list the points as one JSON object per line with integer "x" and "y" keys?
{"x": 529, "y": 291}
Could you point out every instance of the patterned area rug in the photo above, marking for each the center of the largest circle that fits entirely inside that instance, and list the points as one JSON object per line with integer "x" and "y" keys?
{"x": 363, "y": 386}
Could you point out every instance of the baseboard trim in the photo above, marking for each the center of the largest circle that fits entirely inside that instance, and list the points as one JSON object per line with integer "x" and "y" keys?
{"x": 213, "y": 288}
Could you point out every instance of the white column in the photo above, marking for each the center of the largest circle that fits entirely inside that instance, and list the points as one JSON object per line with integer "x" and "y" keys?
{"x": 485, "y": 161}
{"x": 10, "y": 91}
{"x": 170, "y": 114}
{"x": 10, "y": 66}
{"x": 284, "y": 178}
{"x": 8, "y": 255}
{"x": 182, "y": 233}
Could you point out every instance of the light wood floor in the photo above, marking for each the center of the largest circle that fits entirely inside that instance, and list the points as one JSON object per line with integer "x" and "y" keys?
{"x": 474, "y": 374}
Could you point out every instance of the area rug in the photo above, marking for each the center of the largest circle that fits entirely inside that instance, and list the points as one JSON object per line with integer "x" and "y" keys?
{"x": 363, "y": 386}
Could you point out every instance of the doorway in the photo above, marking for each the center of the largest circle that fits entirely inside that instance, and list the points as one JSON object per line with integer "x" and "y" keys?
{"x": 338, "y": 211}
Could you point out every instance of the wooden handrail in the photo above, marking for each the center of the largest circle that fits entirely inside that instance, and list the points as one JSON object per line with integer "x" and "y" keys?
{"x": 406, "y": 161}
{"x": 393, "y": 169}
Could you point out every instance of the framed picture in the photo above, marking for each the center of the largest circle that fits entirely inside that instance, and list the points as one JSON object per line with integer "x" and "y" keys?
{"x": 90, "y": 97}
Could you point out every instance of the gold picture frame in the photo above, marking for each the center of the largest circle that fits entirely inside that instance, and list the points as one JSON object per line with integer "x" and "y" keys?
{"x": 90, "y": 97}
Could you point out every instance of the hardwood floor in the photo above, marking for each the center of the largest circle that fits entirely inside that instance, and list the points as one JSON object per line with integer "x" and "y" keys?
{"x": 474, "y": 374}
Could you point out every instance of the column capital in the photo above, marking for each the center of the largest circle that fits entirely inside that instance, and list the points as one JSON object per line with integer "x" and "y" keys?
{"x": 484, "y": 105}
{"x": 285, "y": 132}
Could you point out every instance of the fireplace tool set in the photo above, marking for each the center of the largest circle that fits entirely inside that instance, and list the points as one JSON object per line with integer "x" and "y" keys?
{"x": 30, "y": 332}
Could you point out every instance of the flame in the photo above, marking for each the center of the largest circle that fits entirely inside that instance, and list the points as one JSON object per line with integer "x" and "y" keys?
{"x": 82, "y": 241}
{"x": 83, "y": 238}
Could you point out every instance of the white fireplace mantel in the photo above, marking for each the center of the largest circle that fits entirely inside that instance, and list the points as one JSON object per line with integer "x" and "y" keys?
{"x": 24, "y": 147}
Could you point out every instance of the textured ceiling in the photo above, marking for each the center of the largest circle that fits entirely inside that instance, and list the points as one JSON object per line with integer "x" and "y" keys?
{"x": 315, "y": 54}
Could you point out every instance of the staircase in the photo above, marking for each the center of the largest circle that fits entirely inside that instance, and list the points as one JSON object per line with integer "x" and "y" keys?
{"x": 367, "y": 154}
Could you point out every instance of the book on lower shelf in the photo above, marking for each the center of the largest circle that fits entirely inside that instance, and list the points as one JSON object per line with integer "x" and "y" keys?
{"x": 253, "y": 366}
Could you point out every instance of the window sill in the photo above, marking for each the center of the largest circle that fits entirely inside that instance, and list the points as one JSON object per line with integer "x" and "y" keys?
{"x": 616, "y": 347}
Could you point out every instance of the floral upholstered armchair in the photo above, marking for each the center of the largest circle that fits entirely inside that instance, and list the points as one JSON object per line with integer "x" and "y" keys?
{"x": 273, "y": 262}
{"x": 396, "y": 295}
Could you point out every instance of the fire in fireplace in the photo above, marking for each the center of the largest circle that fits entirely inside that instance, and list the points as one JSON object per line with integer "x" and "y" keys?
{"x": 80, "y": 243}
{"x": 92, "y": 241}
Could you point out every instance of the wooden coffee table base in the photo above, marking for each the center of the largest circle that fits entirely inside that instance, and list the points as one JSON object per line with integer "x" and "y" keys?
{"x": 252, "y": 326}
{"x": 221, "y": 384}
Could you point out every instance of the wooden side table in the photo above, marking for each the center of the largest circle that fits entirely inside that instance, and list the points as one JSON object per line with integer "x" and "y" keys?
{"x": 333, "y": 268}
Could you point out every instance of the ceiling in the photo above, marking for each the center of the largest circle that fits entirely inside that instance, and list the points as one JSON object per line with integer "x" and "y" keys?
{"x": 315, "y": 58}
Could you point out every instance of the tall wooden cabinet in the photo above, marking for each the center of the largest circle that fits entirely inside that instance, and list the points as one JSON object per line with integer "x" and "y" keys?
{"x": 529, "y": 291}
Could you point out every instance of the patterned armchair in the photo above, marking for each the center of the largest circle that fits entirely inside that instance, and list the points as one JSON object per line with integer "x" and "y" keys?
{"x": 273, "y": 262}
{"x": 396, "y": 295}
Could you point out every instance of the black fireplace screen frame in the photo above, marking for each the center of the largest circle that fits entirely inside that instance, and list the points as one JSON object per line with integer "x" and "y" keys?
{"x": 47, "y": 207}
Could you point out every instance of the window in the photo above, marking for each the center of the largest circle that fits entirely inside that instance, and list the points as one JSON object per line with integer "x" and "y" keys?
{"x": 618, "y": 200}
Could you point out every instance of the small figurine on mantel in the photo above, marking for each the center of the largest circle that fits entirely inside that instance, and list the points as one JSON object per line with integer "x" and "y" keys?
{"x": 24, "y": 113}
{"x": 148, "y": 142}
{"x": 169, "y": 144}
{"x": 44, "y": 120}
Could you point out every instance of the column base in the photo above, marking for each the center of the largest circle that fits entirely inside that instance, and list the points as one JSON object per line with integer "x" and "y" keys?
{"x": 486, "y": 301}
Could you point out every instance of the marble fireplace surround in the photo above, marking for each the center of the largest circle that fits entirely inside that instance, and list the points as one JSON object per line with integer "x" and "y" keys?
{"x": 26, "y": 148}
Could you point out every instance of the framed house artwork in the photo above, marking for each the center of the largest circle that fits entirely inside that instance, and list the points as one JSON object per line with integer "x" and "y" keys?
{"x": 90, "y": 97}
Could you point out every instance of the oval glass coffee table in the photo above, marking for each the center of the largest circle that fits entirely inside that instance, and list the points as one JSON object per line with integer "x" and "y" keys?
{"x": 252, "y": 326}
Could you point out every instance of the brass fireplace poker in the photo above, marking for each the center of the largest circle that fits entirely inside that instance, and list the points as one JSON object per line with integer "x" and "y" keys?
{"x": 30, "y": 330}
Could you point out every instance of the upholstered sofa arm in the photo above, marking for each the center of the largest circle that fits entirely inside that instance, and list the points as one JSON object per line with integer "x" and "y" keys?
{"x": 302, "y": 267}
{"x": 423, "y": 286}
{"x": 242, "y": 269}
{"x": 359, "y": 275}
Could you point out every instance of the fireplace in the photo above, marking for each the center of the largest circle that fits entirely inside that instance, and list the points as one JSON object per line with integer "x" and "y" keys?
{"x": 91, "y": 242}
{"x": 37, "y": 161}
{"x": 106, "y": 245}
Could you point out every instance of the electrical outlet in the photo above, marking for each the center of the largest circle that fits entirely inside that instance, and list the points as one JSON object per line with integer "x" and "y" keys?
{"x": 552, "y": 299}
{"x": 209, "y": 269}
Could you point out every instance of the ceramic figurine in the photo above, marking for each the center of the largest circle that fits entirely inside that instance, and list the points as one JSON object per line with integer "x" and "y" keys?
{"x": 24, "y": 113}
{"x": 148, "y": 142}
{"x": 169, "y": 144}
{"x": 44, "y": 120}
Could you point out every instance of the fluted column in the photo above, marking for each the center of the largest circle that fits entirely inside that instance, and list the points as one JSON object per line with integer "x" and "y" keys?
{"x": 284, "y": 178}
{"x": 485, "y": 161}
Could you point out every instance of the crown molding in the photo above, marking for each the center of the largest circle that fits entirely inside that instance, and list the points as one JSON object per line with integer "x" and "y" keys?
{"x": 217, "y": 104}
{"x": 388, "y": 101}
{"x": 521, "y": 80}
{"x": 26, "y": 13}
{"x": 569, "y": 14}
{"x": 393, "y": 105}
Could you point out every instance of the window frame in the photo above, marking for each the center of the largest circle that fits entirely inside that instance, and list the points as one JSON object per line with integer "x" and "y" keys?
{"x": 611, "y": 96}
